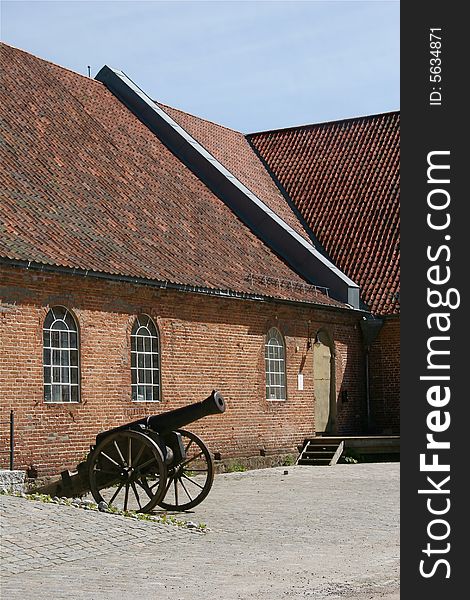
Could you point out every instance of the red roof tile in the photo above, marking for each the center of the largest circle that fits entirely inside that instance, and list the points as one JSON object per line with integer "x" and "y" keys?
{"x": 344, "y": 178}
{"x": 86, "y": 185}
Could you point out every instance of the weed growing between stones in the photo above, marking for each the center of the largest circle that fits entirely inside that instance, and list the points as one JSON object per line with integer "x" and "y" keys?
{"x": 163, "y": 519}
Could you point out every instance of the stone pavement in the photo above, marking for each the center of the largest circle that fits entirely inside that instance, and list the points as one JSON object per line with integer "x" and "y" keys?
{"x": 323, "y": 533}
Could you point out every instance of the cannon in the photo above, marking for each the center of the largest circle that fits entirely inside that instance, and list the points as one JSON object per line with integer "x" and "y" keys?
{"x": 147, "y": 463}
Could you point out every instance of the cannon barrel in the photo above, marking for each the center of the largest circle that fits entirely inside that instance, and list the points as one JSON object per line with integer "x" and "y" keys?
{"x": 178, "y": 418}
{"x": 174, "y": 419}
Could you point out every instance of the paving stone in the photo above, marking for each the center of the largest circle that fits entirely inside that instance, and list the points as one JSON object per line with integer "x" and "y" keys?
{"x": 320, "y": 533}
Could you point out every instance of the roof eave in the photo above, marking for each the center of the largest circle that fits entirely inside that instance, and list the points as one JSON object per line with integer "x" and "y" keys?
{"x": 168, "y": 285}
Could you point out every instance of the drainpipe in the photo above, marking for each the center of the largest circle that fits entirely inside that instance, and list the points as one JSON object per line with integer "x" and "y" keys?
{"x": 370, "y": 327}
{"x": 368, "y": 389}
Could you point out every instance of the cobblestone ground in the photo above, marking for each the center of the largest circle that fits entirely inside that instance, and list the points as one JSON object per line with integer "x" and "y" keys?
{"x": 318, "y": 532}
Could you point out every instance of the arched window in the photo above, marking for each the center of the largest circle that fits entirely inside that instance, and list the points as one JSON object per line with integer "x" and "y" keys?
{"x": 61, "y": 356}
{"x": 275, "y": 365}
{"x": 145, "y": 360}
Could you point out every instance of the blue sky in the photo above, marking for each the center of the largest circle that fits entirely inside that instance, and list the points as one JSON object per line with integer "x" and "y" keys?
{"x": 249, "y": 65}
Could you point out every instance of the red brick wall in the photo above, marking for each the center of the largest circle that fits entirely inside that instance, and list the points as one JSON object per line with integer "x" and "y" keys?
{"x": 385, "y": 378}
{"x": 350, "y": 384}
{"x": 206, "y": 342}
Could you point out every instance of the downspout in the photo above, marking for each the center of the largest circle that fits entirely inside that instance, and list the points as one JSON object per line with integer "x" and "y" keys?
{"x": 370, "y": 327}
{"x": 368, "y": 389}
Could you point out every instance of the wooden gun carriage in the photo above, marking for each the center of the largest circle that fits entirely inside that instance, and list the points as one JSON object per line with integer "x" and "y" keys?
{"x": 147, "y": 463}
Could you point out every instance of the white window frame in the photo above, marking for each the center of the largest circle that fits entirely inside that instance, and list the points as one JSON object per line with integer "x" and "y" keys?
{"x": 61, "y": 357}
{"x": 145, "y": 360}
{"x": 275, "y": 366}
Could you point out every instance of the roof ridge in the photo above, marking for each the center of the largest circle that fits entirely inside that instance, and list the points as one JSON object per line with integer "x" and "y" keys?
{"x": 199, "y": 118}
{"x": 49, "y": 62}
{"x": 328, "y": 122}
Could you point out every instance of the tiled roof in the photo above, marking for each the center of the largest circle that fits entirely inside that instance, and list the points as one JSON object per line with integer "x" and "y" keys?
{"x": 86, "y": 185}
{"x": 232, "y": 149}
{"x": 344, "y": 178}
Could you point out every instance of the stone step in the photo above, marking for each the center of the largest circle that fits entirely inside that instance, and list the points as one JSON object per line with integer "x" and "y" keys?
{"x": 318, "y": 454}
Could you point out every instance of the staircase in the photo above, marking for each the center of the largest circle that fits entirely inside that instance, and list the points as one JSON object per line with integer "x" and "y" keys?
{"x": 320, "y": 451}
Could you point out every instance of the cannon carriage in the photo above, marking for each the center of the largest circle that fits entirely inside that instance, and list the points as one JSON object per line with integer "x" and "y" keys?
{"x": 147, "y": 463}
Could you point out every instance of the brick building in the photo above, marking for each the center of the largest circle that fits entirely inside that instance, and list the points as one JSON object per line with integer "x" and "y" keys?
{"x": 148, "y": 257}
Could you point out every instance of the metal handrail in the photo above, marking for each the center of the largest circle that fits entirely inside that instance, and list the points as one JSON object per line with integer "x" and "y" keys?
{"x": 11, "y": 450}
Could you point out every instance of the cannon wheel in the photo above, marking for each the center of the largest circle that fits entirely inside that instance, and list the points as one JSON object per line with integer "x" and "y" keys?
{"x": 126, "y": 470}
{"x": 190, "y": 481}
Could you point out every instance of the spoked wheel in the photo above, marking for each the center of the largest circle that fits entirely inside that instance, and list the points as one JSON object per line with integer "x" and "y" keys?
{"x": 127, "y": 471}
{"x": 190, "y": 481}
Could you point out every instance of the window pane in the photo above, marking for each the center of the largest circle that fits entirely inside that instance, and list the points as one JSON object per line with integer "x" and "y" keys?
{"x": 147, "y": 344}
{"x": 64, "y": 339}
{"x": 65, "y": 375}
{"x": 73, "y": 339}
{"x": 74, "y": 393}
{"x": 56, "y": 393}
{"x": 74, "y": 358}
{"x": 47, "y": 356}
{"x": 59, "y": 312}
{"x": 47, "y": 393}
{"x": 74, "y": 375}
{"x": 65, "y": 393}
{"x": 56, "y": 374}
{"x": 149, "y": 394}
{"x": 64, "y": 357}
{"x": 56, "y": 357}
{"x": 47, "y": 374}
{"x": 47, "y": 339}
{"x": 55, "y": 339}
{"x": 70, "y": 321}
